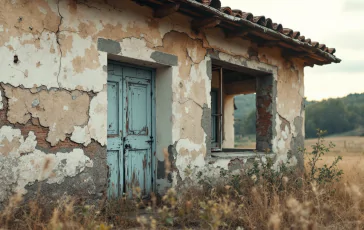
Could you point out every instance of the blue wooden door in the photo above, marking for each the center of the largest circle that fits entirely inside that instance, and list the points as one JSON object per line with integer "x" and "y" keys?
{"x": 115, "y": 159}
{"x": 132, "y": 167}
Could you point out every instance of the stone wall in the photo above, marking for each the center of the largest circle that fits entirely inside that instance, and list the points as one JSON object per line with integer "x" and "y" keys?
{"x": 53, "y": 104}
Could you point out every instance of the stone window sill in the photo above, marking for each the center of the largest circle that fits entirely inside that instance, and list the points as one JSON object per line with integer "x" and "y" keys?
{"x": 239, "y": 153}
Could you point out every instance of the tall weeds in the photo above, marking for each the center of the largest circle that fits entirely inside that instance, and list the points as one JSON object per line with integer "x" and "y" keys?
{"x": 257, "y": 198}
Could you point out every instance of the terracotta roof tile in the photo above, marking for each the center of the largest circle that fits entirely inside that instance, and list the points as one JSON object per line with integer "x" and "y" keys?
{"x": 226, "y": 10}
{"x": 315, "y": 44}
{"x": 269, "y": 23}
{"x": 238, "y": 13}
{"x": 278, "y": 27}
{"x": 288, "y": 32}
{"x": 261, "y": 20}
{"x": 302, "y": 38}
{"x": 248, "y": 16}
{"x": 296, "y": 34}
{"x": 331, "y": 50}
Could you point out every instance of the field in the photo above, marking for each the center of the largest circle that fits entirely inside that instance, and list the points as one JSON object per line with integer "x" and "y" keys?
{"x": 351, "y": 148}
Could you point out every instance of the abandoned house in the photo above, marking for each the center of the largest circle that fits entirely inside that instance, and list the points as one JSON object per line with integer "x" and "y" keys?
{"x": 95, "y": 96}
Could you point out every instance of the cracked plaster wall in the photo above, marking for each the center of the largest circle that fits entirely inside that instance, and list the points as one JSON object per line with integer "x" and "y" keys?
{"x": 21, "y": 164}
{"x": 56, "y": 44}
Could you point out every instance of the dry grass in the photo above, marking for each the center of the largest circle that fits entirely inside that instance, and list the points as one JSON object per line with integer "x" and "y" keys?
{"x": 236, "y": 202}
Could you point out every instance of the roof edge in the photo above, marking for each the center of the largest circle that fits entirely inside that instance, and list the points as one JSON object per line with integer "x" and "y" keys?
{"x": 305, "y": 46}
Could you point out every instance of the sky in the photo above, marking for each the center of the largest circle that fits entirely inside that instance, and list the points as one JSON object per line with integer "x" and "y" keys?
{"x": 337, "y": 23}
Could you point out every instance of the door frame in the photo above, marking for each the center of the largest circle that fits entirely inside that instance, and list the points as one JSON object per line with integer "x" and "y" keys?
{"x": 153, "y": 117}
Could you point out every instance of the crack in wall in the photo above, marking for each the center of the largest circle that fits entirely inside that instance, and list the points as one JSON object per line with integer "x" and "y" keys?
{"x": 24, "y": 73}
{"x": 89, "y": 6}
{"x": 59, "y": 44}
{"x": 189, "y": 99}
{"x": 284, "y": 123}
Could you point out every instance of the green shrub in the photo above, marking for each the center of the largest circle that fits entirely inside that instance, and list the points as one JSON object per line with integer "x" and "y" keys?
{"x": 325, "y": 173}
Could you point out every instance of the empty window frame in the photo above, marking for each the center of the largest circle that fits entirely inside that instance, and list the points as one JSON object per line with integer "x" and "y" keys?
{"x": 227, "y": 83}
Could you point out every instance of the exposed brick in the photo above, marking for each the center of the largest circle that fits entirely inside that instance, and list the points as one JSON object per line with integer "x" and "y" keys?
{"x": 264, "y": 104}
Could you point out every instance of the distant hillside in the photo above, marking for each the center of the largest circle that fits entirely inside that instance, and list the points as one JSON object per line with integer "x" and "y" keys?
{"x": 245, "y": 104}
{"x": 244, "y": 114}
{"x": 351, "y": 99}
{"x": 336, "y": 115}
{"x": 339, "y": 116}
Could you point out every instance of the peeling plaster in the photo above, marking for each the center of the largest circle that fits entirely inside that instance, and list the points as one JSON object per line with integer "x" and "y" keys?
{"x": 53, "y": 168}
{"x": 189, "y": 156}
{"x": 21, "y": 164}
{"x": 98, "y": 120}
{"x": 12, "y": 143}
{"x": 47, "y": 75}
{"x": 96, "y": 127}
{"x": 48, "y": 106}
{"x": 81, "y": 135}
{"x": 1, "y": 100}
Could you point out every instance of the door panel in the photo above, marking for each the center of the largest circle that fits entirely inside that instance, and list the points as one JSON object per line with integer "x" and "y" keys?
{"x": 130, "y": 137}
{"x": 114, "y": 135}
{"x": 138, "y": 145}
{"x": 113, "y": 163}
{"x": 137, "y": 115}
{"x": 113, "y": 112}
{"x": 138, "y": 170}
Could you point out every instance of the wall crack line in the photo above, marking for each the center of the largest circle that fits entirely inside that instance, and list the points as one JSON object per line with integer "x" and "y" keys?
{"x": 59, "y": 44}
{"x": 89, "y": 6}
{"x": 19, "y": 71}
{"x": 189, "y": 99}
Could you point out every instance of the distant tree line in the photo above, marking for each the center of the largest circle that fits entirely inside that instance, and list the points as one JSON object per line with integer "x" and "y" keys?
{"x": 336, "y": 115}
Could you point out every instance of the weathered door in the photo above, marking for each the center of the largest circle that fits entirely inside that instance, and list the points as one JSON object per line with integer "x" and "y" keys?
{"x": 115, "y": 158}
{"x": 130, "y": 136}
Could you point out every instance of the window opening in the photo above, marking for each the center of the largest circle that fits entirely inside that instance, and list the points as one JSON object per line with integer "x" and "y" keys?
{"x": 240, "y": 120}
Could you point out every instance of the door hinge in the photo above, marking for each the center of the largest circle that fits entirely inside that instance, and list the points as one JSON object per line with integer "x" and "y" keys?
{"x": 151, "y": 140}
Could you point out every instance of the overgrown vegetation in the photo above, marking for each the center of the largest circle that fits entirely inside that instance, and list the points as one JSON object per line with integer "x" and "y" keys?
{"x": 263, "y": 196}
{"x": 325, "y": 173}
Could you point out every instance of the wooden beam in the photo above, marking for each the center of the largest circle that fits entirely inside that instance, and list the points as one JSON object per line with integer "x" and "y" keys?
{"x": 200, "y": 24}
{"x": 166, "y": 10}
{"x": 309, "y": 64}
{"x": 238, "y": 33}
{"x": 240, "y": 87}
{"x": 305, "y": 56}
{"x": 289, "y": 53}
{"x": 269, "y": 43}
